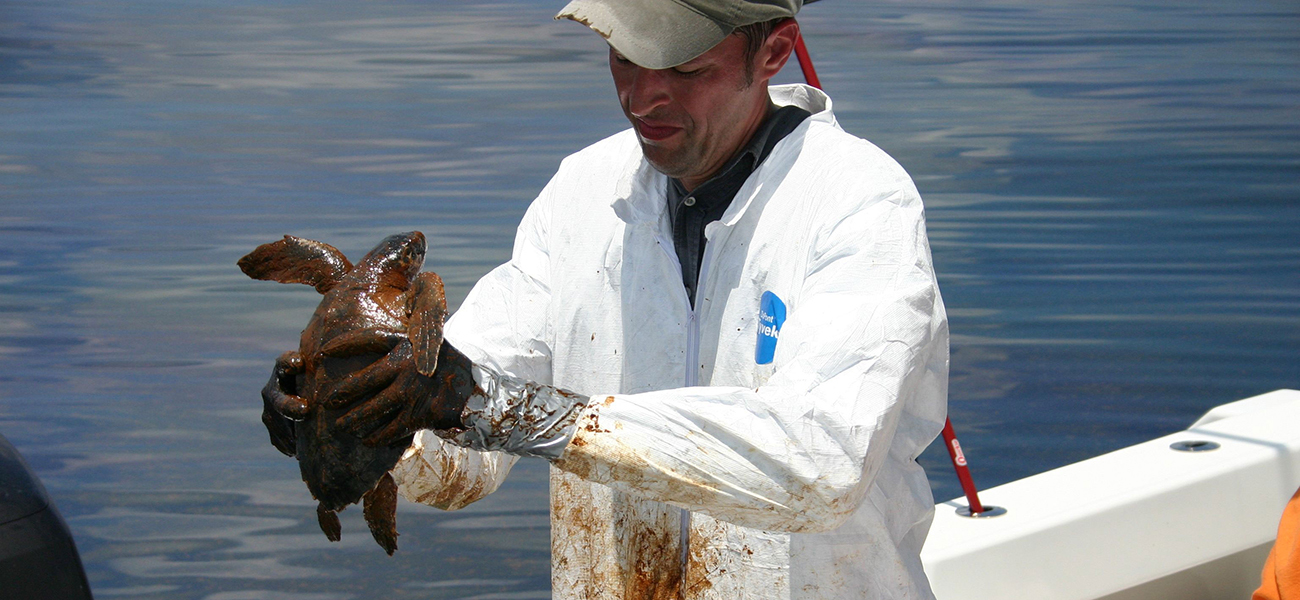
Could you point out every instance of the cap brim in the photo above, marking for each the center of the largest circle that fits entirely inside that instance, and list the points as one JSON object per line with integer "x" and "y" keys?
{"x": 656, "y": 35}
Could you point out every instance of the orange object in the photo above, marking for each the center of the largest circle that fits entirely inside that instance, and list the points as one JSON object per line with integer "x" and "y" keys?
{"x": 1281, "y": 579}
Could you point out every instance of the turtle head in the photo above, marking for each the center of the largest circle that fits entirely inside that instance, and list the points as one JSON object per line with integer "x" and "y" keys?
{"x": 398, "y": 256}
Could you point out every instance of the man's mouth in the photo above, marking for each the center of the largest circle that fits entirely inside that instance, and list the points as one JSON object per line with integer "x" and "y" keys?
{"x": 655, "y": 132}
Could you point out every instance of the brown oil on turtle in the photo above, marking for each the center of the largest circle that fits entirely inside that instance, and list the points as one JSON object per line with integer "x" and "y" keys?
{"x": 382, "y": 309}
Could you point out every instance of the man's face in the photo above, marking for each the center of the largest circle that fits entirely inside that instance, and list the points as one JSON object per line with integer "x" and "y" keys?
{"x": 692, "y": 118}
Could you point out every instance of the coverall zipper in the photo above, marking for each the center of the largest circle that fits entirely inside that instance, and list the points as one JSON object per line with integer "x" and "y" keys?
{"x": 692, "y": 365}
{"x": 691, "y": 379}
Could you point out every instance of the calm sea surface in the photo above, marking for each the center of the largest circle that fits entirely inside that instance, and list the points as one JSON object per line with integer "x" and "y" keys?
{"x": 1113, "y": 193}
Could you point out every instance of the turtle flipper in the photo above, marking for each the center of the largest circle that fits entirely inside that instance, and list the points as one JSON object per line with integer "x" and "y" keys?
{"x": 297, "y": 260}
{"x": 428, "y": 306}
{"x": 381, "y": 513}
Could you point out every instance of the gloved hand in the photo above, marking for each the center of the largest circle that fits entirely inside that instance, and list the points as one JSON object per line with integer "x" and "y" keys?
{"x": 281, "y": 394}
{"x": 389, "y": 400}
{"x": 399, "y": 401}
{"x": 465, "y": 404}
{"x": 392, "y": 399}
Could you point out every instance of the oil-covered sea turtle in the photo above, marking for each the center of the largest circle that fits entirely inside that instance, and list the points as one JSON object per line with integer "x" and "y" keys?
{"x": 381, "y": 310}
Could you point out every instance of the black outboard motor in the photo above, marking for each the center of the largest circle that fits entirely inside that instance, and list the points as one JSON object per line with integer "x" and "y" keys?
{"x": 38, "y": 559}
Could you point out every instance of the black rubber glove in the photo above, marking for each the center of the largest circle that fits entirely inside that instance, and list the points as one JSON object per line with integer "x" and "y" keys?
{"x": 398, "y": 401}
{"x": 281, "y": 395}
{"x": 381, "y": 403}
{"x": 389, "y": 400}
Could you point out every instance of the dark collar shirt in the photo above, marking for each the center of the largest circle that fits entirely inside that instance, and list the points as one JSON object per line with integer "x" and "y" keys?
{"x": 691, "y": 212}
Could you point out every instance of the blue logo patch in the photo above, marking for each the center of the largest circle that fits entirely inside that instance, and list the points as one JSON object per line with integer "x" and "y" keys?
{"x": 771, "y": 314}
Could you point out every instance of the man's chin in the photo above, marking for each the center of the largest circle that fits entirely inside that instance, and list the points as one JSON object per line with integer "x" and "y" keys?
{"x": 668, "y": 163}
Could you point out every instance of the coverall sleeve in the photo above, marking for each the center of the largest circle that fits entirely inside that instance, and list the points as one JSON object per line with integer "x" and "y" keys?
{"x": 864, "y": 337}
{"x": 500, "y": 325}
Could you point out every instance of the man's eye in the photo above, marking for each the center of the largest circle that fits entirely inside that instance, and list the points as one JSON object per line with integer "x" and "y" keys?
{"x": 691, "y": 72}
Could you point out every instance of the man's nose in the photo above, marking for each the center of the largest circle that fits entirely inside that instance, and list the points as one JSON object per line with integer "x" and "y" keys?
{"x": 647, "y": 91}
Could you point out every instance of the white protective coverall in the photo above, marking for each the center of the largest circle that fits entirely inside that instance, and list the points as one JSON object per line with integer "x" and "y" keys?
{"x": 697, "y": 472}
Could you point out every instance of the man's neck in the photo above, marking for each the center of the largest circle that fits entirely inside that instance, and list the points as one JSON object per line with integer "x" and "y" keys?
{"x": 692, "y": 211}
{"x": 755, "y": 121}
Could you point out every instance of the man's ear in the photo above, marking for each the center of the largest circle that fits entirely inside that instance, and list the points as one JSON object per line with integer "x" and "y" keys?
{"x": 776, "y": 50}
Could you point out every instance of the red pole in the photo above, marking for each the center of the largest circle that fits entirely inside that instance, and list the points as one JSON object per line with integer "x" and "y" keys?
{"x": 963, "y": 472}
{"x": 805, "y": 63}
{"x": 949, "y": 437}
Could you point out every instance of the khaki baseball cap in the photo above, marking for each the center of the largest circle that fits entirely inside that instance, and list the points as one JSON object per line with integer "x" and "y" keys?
{"x": 658, "y": 34}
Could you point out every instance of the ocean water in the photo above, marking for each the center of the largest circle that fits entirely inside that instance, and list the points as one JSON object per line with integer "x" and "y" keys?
{"x": 1112, "y": 189}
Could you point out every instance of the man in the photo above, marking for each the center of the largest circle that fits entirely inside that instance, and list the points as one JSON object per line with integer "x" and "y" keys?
{"x": 739, "y": 299}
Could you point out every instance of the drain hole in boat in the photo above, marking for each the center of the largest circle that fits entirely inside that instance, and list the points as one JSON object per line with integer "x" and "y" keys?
{"x": 989, "y": 511}
{"x": 1194, "y": 446}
